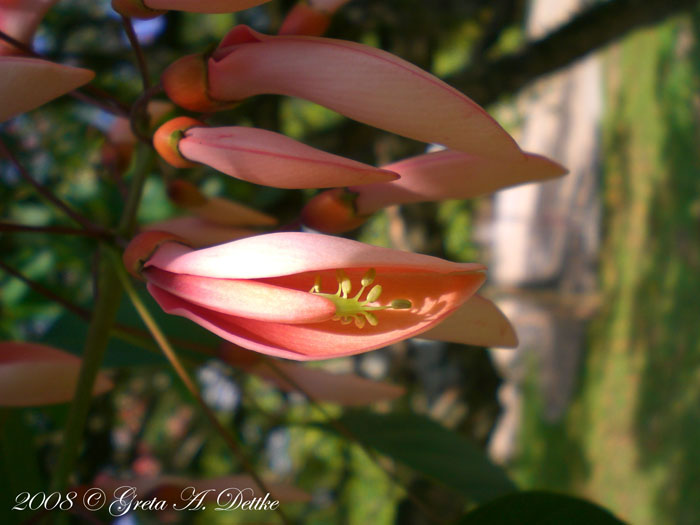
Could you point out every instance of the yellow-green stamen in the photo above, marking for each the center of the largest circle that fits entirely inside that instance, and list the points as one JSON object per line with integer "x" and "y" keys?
{"x": 349, "y": 309}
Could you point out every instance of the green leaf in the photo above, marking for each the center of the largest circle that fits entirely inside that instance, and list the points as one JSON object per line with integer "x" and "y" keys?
{"x": 539, "y": 508}
{"x": 429, "y": 448}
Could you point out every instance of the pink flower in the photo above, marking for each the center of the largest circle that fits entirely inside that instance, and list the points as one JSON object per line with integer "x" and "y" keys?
{"x": 301, "y": 295}
{"x": 153, "y": 8}
{"x": 432, "y": 177}
{"x": 259, "y": 156}
{"x": 358, "y": 81}
{"x": 26, "y": 83}
{"x": 32, "y": 374}
{"x": 20, "y": 20}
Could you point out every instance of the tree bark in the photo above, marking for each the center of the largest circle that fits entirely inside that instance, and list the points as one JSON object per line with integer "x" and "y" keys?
{"x": 589, "y": 31}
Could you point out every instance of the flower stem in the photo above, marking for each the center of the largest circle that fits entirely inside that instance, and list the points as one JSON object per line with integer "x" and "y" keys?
{"x": 140, "y": 58}
{"x": 105, "y": 310}
{"x": 169, "y": 352}
{"x": 52, "y": 230}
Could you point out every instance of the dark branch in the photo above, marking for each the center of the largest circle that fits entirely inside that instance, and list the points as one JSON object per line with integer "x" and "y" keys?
{"x": 589, "y": 31}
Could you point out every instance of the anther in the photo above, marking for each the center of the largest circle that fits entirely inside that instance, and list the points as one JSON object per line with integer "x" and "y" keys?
{"x": 354, "y": 309}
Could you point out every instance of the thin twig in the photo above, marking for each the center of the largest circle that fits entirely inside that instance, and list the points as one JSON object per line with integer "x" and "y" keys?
{"x": 160, "y": 338}
{"x": 348, "y": 434}
{"x": 49, "y": 294}
{"x": 138, "y": 51}
{"x": 54, "y": 230}
{"x": 47, "y": 194}
{"x": 139, "y": 117}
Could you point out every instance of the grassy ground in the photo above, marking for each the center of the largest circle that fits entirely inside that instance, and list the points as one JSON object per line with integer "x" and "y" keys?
{"x": 631, "y": 439}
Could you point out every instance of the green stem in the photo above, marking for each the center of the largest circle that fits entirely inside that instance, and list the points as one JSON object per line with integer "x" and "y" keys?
{"x": 233, "y": 444}
{"x": 106, "y": 304}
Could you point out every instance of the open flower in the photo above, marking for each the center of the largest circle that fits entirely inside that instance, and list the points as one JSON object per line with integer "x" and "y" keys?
{"x": 259, "y": 156}
{"x": 33, "y": 374}
{"x": 431, "y": 177}
{"x": 358, "y": 81}
{"x": 153, "y": 8}
{"x": 26, "y": 83}
{"x": 302, "y": 295}
{"x": 20, "y": 20}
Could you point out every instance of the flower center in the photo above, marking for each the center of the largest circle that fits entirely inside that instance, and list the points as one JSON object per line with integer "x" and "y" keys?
{"x": 349, "y": 309}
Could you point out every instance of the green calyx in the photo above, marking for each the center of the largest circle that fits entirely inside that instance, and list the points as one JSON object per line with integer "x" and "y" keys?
{"x": 353, "y": 309}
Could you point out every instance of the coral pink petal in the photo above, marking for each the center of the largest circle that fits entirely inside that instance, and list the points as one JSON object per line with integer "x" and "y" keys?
{"x": 33, "y": 374}
{"x": 26, "y": 83}
{"x": 286, "y": 253}
{"x": 452, "y": 175}
{"x": 358, "y": 81}
{"x": 433, "y": 297}
{"x": 244, "y": 298}
{"x": 477, "y": 322}
{"x": 271, "y": 159}
{"x": 343, "y": 389}
{"x": 203, "y": 6}
{"x": 199, "y": 233}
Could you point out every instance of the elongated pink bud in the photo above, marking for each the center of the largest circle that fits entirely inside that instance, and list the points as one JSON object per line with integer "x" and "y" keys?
{"x": 153, "y": 8}
{"x": 320, "y": 384}
{"x": 260, "y": 156}
{"x": 453, "y": 175}
{"x": 216, "y": 210}
{"x": 303, "y": 19}
{"x": 198, "y": 232}
{"x": 26, "y": 83}
{"x": 32, "y": 374}
{"x": 20, "y": 20}
{"x": 358, "y": 81}
{"x": 310, "y": 18}
{"x": 432, "y": 177}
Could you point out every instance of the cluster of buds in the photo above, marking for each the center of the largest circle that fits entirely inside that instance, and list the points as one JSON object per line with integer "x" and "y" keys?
{"x": 306, "y": 295}
{"x": 293, "y": 294}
